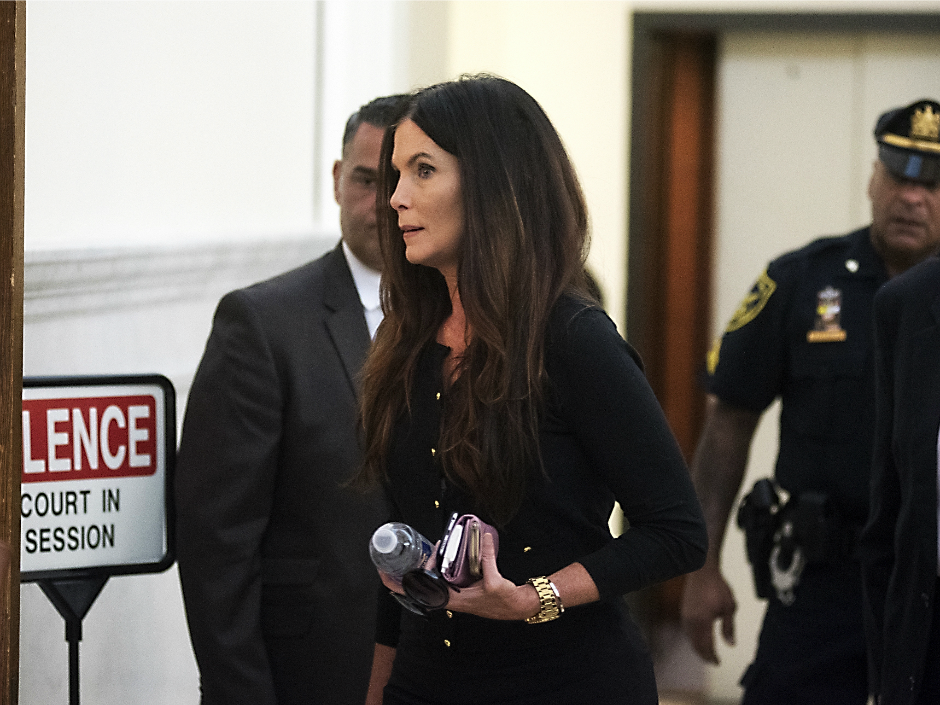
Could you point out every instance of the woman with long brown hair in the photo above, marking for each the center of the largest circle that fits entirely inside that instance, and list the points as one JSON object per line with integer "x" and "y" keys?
{"x": 498, "y": 387}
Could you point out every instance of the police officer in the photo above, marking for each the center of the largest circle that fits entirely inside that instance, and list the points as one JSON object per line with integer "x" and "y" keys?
{"x": 804, "y": 334}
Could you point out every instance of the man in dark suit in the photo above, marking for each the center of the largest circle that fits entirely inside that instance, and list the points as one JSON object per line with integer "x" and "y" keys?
{"x": 272, "y": 545}
{"x": 899, "y": 545}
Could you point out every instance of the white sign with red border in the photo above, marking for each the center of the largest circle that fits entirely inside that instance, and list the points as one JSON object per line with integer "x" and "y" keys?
{"x": 95, "y": 491}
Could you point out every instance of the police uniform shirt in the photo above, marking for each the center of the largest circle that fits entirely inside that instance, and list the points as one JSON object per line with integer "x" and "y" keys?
{"x": 804, "y": 333}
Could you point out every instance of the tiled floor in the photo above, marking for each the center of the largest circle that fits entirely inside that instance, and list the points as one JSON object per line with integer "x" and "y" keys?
{"x": 677, "y": 699}
{"x": 690, "y": 699}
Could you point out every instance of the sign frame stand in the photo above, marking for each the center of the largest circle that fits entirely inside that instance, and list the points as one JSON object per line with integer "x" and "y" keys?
{"x": 73, "y": 598}
{"x": 73, "y": 587}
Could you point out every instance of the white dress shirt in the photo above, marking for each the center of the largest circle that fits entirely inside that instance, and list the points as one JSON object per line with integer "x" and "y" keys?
{"x": 367, "y": 284}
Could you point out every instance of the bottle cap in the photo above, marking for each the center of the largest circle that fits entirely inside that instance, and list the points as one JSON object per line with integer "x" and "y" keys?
{"x": 384, "y": 540}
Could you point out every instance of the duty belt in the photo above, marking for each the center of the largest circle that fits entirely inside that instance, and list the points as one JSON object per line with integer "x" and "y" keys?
{"x": 783, "y": 538}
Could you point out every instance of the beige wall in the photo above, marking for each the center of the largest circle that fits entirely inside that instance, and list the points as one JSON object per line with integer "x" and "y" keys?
{"x": 573, "y": 58}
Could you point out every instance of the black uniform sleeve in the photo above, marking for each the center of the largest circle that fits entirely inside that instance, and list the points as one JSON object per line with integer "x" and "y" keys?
{"x": 747, "y": 367}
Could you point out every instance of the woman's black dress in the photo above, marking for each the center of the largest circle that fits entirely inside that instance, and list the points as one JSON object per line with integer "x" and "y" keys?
{"x": 603, "y": 439}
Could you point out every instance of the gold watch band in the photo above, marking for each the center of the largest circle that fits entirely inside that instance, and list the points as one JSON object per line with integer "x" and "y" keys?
{"x": 550, "y": 606}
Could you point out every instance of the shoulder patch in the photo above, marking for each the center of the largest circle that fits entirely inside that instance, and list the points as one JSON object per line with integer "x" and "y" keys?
{"x": 711, "y": 360}
{"x": 753, "y": 303}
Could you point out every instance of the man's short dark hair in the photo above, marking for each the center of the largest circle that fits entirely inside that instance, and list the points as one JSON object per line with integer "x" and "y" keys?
{"x": 380, "y": 113}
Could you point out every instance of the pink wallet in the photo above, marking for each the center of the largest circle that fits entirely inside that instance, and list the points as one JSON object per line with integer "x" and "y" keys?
{"x": 459, "y": 555}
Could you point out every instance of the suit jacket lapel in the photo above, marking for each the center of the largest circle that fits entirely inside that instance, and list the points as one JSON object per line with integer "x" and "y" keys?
{"x": 925, "y": 351}
{"x": 935, "y": 310}
{"x": 929, "y": 342}
{"x": 346, "y": 320}
{"x": 925, "y": 416}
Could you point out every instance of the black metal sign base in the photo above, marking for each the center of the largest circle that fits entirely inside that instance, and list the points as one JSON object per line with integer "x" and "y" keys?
{"x": 73, "y": 598}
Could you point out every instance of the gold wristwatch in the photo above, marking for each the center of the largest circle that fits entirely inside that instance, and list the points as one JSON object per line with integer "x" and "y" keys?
{"x": 550, "y": 606}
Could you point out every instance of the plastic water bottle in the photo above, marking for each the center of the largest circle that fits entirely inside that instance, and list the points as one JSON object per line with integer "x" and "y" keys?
{"x": 396, "y": 548}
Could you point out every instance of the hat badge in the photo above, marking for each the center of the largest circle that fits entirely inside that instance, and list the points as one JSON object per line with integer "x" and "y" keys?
{"x": 925, "y": 124}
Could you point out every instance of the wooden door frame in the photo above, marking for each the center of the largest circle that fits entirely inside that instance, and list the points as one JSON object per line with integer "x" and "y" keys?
{"x": 12, "y": 157}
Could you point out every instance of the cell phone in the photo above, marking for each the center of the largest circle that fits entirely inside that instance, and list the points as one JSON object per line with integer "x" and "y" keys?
{"x": 451, "y": 548}
{"x": 444, "y": 556}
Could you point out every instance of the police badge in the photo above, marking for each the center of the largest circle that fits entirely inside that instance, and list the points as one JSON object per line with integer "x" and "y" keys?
{"x": 828, "y": 326}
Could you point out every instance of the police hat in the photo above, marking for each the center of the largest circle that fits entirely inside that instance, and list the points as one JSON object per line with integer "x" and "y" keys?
{"x": 909, "y": 141}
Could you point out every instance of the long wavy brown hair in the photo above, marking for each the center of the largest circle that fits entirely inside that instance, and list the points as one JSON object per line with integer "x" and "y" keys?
{"x": 524, "y": 244}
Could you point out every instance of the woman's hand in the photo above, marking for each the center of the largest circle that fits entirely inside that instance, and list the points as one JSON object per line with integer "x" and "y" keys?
{"x": 494, "y": 597}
